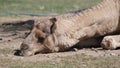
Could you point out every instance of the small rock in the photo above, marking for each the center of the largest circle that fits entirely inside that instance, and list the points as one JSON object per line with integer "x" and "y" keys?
{"x": 75, "y": 49}
{"x": 94, "y": 49}
{"x": 113, "y": 54}
{"x": 109, "y": 54}
{"x": 105, "y": 54}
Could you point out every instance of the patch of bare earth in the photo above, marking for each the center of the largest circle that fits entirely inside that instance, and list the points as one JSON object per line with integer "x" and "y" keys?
{"x": 11, "y": 37}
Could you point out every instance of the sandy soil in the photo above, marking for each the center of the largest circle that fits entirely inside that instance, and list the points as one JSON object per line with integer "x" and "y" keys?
{"x": 11, "y": 37}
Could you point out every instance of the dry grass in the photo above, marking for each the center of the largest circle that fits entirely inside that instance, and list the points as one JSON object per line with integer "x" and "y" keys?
{"x": 76, "y": 61}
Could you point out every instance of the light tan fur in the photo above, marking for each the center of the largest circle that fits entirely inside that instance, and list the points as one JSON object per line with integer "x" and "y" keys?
{"x": 111, "y": 42}
{"x": 69, "y": 29}
{"x": 97, "y": 21}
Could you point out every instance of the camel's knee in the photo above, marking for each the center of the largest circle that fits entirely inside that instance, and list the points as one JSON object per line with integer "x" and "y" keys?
{"x": 111, "y": 42}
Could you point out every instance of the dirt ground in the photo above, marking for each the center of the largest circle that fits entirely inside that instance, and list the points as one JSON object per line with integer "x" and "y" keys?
{"x": 12, "y": 33}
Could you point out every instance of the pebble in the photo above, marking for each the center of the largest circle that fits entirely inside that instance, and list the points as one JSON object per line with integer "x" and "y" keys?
{"x": 108, "y": 54}
{"x": 94, "y": 49}
{"x": 113, "y": 54}
{"x": 75, "y": 49}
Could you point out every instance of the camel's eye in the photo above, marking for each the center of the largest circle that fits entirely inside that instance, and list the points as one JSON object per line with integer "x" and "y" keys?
{"x": 44, "y": 31}
{"x": 41, "y": 39}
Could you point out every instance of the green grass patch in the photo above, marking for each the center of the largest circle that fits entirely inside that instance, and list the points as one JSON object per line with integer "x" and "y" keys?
{"x": 44, "y": 6}
{"x": 6, "y": 51}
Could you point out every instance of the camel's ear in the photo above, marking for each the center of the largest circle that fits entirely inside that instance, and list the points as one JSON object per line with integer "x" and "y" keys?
{"x": 53, "y": 19}
{"x": 53, "y": 26}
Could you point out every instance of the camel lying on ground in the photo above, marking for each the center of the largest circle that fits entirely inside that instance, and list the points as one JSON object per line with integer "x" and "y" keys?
{"x": 64, "y": 31}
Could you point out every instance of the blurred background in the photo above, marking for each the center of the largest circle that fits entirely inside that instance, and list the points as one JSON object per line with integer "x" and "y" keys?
{"x": 41, "y": 7}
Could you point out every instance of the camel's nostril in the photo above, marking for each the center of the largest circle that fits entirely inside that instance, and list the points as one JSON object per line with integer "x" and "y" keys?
{"x": 17, "y": 53}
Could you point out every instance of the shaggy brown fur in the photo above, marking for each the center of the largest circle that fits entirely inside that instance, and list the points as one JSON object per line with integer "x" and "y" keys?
{"x": 64, "y": 31}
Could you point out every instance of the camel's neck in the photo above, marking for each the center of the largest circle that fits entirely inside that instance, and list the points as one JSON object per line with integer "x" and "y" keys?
{"x": 103, "y": 11}
{"x": 69, "y": 25}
